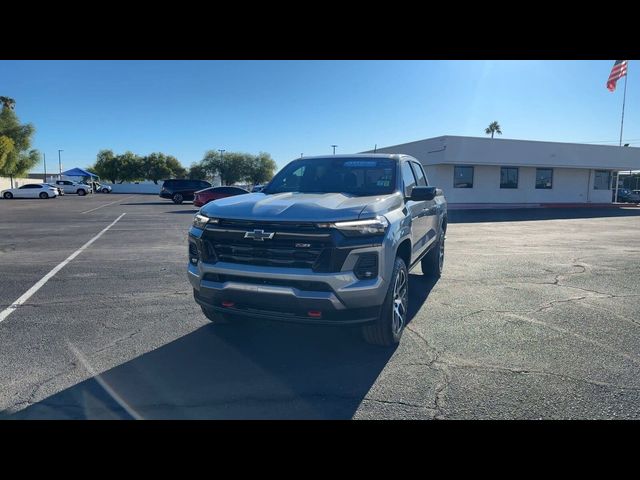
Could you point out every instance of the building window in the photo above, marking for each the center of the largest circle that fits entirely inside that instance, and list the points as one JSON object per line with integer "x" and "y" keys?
{"x": 602, "y": 180}
{"x": 544, "y": 178}
{"x": 508, "y": 177}
{"x": 462, "y": 177}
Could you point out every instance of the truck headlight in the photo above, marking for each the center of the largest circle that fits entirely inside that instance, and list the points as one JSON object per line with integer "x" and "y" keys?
{"x": 201, "y": 221}
{"x": 371, "y": 226}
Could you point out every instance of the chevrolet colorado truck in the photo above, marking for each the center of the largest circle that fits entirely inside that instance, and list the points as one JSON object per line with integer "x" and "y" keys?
{"x": 330, "y": 240}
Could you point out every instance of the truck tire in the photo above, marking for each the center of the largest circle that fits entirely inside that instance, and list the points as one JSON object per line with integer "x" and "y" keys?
{"x": 433, "y": 262}
{"x": 387, "y": 330}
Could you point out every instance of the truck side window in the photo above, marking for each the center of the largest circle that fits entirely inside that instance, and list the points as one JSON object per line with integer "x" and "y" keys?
{"x": 419, "y": 173}
{"x": 408, "y": 178}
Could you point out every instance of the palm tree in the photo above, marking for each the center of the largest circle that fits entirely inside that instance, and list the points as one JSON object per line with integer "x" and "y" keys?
{"x": 494, "y": 127}
{"x": 8, "y": 102}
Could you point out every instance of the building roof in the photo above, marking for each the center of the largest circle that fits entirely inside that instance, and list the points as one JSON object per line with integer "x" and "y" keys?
{"x": 451, "y": 149}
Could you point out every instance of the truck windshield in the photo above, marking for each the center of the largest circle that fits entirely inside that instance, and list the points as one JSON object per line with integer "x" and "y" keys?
{"x": 356, "y": 176}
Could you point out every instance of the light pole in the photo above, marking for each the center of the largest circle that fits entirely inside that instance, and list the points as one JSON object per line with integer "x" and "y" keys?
{"x": 60, "y": 161}
{"x": 221, "y": 158}
{"x": 44, "y": 159}
{"x": 334, "y": 148}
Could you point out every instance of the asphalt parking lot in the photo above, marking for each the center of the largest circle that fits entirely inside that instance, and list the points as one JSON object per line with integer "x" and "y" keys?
{"x": 537, "y": 316}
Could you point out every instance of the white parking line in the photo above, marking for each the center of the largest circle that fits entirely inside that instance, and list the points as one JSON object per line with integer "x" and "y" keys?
{"x": 107, "y": 204}
{"x": 25, "y": 296}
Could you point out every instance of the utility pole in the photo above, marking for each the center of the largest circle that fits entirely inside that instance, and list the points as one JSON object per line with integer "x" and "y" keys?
{"x": 44, "y": 159}
{"x": 334, "y": 148}
{"x": 60, "y": 162}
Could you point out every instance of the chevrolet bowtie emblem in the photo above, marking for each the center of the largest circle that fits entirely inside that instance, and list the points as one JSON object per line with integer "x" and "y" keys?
{"x": 259, "y": 235}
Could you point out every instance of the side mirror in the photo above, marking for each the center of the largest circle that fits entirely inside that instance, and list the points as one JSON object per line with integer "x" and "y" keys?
{"x": 419, "y": 194}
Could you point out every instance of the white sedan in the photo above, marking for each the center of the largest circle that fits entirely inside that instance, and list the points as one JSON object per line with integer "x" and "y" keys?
{"x": 31, "y": 190}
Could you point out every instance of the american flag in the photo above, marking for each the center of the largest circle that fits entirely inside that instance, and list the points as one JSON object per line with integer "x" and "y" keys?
{"x": 618, "y": 71}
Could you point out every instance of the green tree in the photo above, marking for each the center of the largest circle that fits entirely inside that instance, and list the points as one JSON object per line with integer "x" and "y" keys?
{"x": 156, "y": 168}
{"x": 8, "y": 102}
{"x": 177, "y": 170}
{"x": 107, "y": 166}
{"x": 494, "y": 127}
{"x": 232, "y": 167}
{"x": 6, "y": 147}
{"x": 261, "y": 169}
{"x": 131, "y": 167}
{"x": 20, "y": 158}
{"x": 198, "y": 172}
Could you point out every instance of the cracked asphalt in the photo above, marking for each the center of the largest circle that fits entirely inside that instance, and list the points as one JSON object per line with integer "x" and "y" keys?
{"x": 537, "y": 316}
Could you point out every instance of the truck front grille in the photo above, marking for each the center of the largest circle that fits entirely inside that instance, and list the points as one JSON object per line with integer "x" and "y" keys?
{"x": 293, "y": 245}
{"x": 279, "y": 254}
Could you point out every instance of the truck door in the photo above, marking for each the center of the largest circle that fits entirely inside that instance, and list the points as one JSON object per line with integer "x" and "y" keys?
{"x": 418, "y": 233}
{"x": 429, "y": 216}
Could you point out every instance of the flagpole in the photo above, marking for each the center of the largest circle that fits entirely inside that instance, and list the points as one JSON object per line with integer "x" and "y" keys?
{"x": 624, "y": 99}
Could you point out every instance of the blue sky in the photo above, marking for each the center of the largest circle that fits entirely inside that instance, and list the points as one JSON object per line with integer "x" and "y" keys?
{"x": 286, "y": 108}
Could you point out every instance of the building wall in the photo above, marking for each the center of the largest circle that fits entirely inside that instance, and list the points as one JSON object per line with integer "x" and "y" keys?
{"x": 5, "y": 182}
{"x": 573, "y": 164}
{"x": 570, "y": 185}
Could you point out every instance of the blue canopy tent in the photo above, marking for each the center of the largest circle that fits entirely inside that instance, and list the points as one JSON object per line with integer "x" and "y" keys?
{"x": 78, "y": 172}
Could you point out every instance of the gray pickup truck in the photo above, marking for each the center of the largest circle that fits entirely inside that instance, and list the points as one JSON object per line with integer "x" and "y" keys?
{"x": 330, "y": 240}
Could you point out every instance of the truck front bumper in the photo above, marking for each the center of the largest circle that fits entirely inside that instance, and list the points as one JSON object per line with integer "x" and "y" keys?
{"x": 264, "y": 292}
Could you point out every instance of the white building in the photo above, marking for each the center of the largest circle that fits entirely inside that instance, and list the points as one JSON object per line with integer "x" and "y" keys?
{"x": 488, "y": 171}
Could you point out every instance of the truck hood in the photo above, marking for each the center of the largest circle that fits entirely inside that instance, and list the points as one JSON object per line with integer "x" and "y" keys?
{"x": 300, "y": 207}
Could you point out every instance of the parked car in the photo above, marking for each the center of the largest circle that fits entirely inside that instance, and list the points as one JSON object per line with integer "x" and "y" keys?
{"x": 99, "y": 187}
{"x": 626, "y": 196}
{"x": 74, "y": 187}
{"x": 180, "y": 190}
{"x": 330, "y": 240}
{"x": 257, "y": 188}
{"x": 59, "y": 190}
{"x": 202, "y": 197}
{"x": 31, "y": 190}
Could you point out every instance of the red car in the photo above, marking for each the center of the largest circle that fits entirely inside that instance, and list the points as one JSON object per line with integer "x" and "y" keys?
{"x": 201, "y": 197}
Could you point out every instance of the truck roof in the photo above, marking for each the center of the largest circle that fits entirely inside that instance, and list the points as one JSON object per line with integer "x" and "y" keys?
{"x": 391, "y": 156}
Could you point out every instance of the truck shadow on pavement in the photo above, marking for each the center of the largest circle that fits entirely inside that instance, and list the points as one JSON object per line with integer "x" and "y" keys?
{"x": 244, "y": 370}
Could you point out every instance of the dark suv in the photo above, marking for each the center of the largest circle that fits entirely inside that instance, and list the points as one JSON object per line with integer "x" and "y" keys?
{"x": 180, "y": 190}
